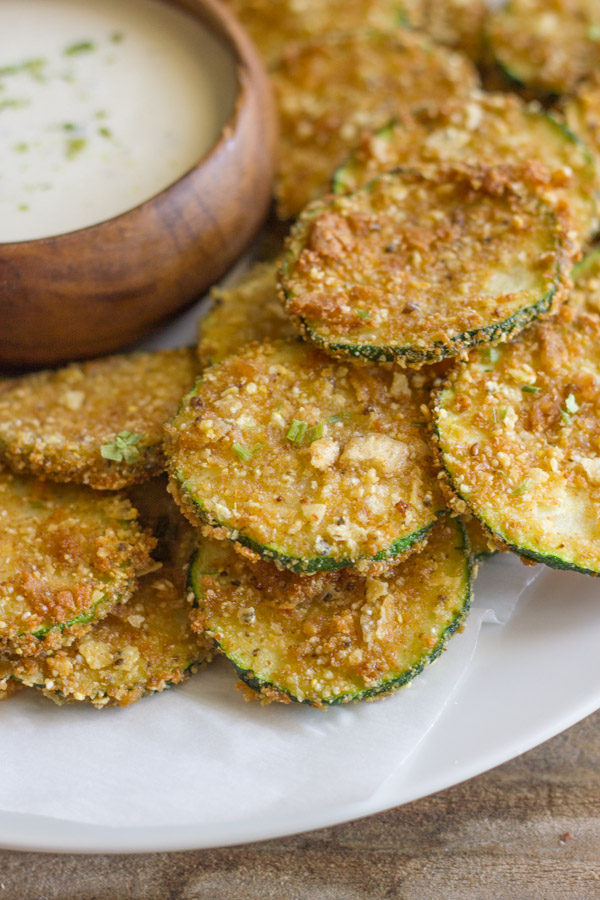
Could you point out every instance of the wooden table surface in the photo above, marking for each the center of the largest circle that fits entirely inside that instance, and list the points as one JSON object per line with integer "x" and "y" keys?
{"x": 528, "y": 830}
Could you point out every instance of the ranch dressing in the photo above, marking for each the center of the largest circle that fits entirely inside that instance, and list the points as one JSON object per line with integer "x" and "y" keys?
{"x": 103, "y": 104}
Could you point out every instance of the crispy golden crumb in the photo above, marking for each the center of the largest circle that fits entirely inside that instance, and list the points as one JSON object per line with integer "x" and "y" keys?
{"x": 519, "y": 438}
{"x": 332, "y": 637}
{"x": 487, "y": 130}
{"x": 546, "y": 45}
{"x": 305, "y": 459}
{"x": 330, "y": 94}
{"x": 141, "y": 647}
{"x": 8, "y": 685}
{"x": 274, "y": 25}
{"x": 586, "y": 276}
{"x": 67, "y": 555}
{"x": 582, "y": 115}
{"x": 54, "y": 424}
{"x": 250, "y": 311}
{"x": 418, "y": 266}
{"x": 481, "y": 542}
{"x": 459, "y": 24}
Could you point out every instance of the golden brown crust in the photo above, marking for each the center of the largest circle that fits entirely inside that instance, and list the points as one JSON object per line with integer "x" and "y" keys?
{"x": 333, "y": 637}
{"x": 67, "y": 555}
{"x": 249, "y": 311}
{"x": 349, "y": 480}
{"x": 459, "y": 24}
{"x": 519, "y": 439}
{"x": 548, "y": 45}
{"x": 144, "y": 646}
{"x": 483, "y": 130}
{"x": 333, "y": 92}
{"x": 418, "y": 266}
{"x": 274, "y": 25}
{"x": 53, "y": 424}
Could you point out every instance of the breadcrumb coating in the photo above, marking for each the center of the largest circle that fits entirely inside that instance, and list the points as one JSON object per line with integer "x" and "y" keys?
{"x": 67, "y": 555}
{"x": 55, "y": 424}
{"x": 418, "y": 266}
{"x": 332, "y": 92}
{"x": 335, "y": 637}
{"x": 250, "y": 311}
{"x": 304, "y": 459}
{"x": 547, "y": 45}
{"x": 459, "y": 24}
{"x": 486, "y": 130}
{"x": 519, "y": 439}
{"x": 274, "y": 25}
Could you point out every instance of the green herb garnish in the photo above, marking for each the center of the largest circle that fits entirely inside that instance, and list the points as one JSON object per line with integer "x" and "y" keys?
{"x": 105, "y": 132}
{"x": 525, "y": 486}
{"x": 315, "y": 433}
{"x": 499, "y": 413}
{"x": 530, "y": 389}
{"x": 13, "y": 104}
{"x": 491, "y": 356}
{"x": 123, "y": 448}
{"x": 117, "y": 37}
{"x": 338, "y": 417}
{"x": 593, "y": 33}
{"x": 80, "y": 47}
{"x": 571, "y": 404}
{"x": 245, "y": 453}
{"x": 363, "y": 314}
{"x": 296, "y": 431}
{"x": 74, "y": 147}
{"x": 32, "y": 66}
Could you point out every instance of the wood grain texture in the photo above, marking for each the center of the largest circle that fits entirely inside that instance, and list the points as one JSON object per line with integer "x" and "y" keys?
{"x": 97, "y": 289}
{"x": 528, "y": 830}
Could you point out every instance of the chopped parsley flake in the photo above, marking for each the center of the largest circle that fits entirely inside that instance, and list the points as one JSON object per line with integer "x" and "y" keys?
{"x": 316, "y": 432}
{"x": 74, "y": 147}
{"x": 338, "y": 417}
{"x": 13, "y": 103}
{"x": 499, "y": 413}
{"x": 571, "y": 404}
{"x": 123, "y": 448}
{"x": 525, "y": 486}
{"x": 296, "y": 431}
{"x": 117, "y": 37}
{"x": 363, "y": 314}
{"x": 491, "y": 355}
{"x": 80, "y": 47}
{"x": 105, "y": 132}
{"x": 530, "y": 389}
{"x": 32, "y": 66}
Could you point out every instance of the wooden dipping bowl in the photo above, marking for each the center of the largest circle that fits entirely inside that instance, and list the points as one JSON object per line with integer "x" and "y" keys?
{"x": 95, "y": 290}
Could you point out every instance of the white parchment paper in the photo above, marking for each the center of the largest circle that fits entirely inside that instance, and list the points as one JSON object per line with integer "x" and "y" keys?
{"x": 200, "y": 753}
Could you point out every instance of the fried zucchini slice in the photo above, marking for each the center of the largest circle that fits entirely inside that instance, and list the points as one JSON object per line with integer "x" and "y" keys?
{"x": 582, "y": 114}
{"x": 67, "y": 555}
{"x": 272, "y": 26}
{"x": 459, "y": 24}
{"x": 331, "y": 93}
{"x": 98, "y": 423}
{"x": 333, "y": 638}
{"x": 519, "y": 439}
{"x": 303, "y": 460}
{"x": 487, "y": 130}
{"x": 547, "y": 46}
{"x": 418, "y": 266}
{"x": 141, "y": 647}
{"x": 250, "y": 311}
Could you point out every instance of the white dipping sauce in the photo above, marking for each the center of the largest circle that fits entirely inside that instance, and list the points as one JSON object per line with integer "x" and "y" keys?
{"x": 103, "y": 104}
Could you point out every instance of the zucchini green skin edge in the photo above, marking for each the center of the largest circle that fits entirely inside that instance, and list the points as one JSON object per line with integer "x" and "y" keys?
{"x": 256, "y": 683}
{"x": 438, "y": 350}
{"x": 296, "y": 563}
{"x": 547, "y": 559}
{"x": 81, "y": 619}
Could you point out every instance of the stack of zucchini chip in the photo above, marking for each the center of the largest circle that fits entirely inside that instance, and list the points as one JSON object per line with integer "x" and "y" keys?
{"x": 409, "y": 384}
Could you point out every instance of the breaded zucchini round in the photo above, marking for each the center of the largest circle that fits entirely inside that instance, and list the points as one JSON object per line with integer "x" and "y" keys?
{"x": 547, "y": 46}
{"x": 519, "y": 439}
{"x": 459, "y": 24}
{"x": 487, "y": 130}
{"x": 418, "y": 266}
{"x": 582, "y": 114}
{"x": 272, "y": 26}
{"x": 333, "y": 638}
{"x": 98, "y": 423}
{"x": 67, "y": 555}
{"x": 250, "y": 311}
{"x": 331, "y": 93}
{"x": 140, "y": 648}
{"x": 304, "y": 460}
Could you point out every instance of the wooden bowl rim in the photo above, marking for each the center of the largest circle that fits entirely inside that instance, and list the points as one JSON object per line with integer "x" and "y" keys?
{"x": 221, "y": 22}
